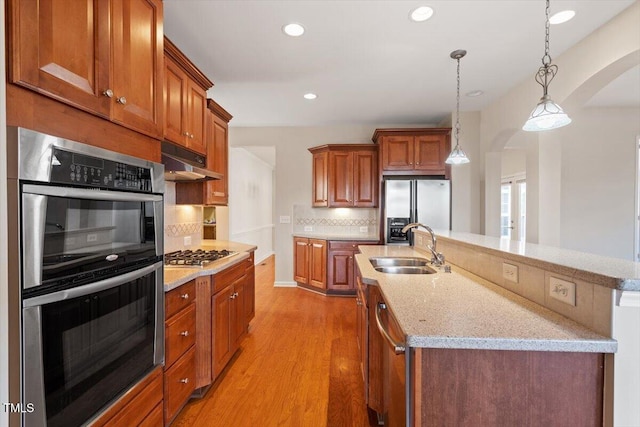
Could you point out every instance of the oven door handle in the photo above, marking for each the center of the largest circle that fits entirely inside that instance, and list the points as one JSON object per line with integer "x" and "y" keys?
{"x": 102, "y": 285}
{"x": 81, "y": 193}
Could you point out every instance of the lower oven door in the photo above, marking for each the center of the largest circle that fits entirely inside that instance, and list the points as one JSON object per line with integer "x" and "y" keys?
{"x": 83, "y": 347}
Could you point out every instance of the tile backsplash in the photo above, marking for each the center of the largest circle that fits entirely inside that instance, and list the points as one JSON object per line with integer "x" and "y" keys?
{"x": 335, "y": 221}
{"x": 181, "y": 222}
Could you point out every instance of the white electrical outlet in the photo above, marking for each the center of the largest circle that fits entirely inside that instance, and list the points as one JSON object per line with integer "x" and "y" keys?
{"x": 419, "y": 243}
{"x": 92, "y": 237}
{"x": 364, "y": 229}
{"x": 510, "y": 272}
{"x": 562, "y": 290}
{"x": 187, "y": 240}
{"x": 308, "y": 228}
{"x": 285, "y": 219}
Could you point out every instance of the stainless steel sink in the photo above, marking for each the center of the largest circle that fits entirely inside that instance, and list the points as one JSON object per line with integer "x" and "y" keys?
{"x": 422, "y": 269}
{"x": 398, "y": 261}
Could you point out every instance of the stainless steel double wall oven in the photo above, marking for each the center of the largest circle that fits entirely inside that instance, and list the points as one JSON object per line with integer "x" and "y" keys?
{"x": 91, "y": 281}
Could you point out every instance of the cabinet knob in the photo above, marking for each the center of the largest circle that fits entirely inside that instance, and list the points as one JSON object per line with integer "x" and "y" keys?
{"x": 184, "y": 296}
{"x": 121, "y": 100}
{"x": 417, "y": 163}
{"x": 108, "y": 93}
{"x": 235, "y": 294}
{"x": 410, "y": 163}
{"x": 191, "y": 135}
{"x": 184, "y": 333}
{"x": 232, "y": 296}
{"x": 185, "y": 381}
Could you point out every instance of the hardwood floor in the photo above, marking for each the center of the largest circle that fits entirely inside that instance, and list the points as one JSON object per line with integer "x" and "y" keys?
{"x": 298, "y": 365}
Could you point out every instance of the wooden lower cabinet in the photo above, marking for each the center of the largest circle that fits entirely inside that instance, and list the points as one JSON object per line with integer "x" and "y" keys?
{"x": 229, "y": 323}
{"x": 470, "y": 387}
{"x": 140, "y": 406}
{"x": 341, "y": 267}
{"x": 326, "y": 265}
{"x": 310, "y": 262}
{"x": 180, "y": 339}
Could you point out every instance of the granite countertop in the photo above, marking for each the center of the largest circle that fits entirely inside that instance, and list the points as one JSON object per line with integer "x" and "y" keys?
{"x": 355, "y": 237}
{"x": 177, "y": 276}
{"x": 611, "y": 272}
{"x": 464, "y": 311}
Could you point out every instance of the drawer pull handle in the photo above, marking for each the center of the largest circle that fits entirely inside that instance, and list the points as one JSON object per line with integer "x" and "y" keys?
{"x": 184, "y": 333}
{"x": 398, "y": 347}
{"x": 108, "y": 93}
{"x": 185, "y": 381}
{"x": 184, "y": 296}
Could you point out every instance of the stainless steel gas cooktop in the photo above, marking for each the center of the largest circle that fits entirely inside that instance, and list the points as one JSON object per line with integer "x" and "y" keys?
{"x": 195, "y": 258}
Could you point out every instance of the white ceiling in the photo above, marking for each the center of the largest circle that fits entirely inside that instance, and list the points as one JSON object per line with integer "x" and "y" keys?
{"x": 368, "y": 63}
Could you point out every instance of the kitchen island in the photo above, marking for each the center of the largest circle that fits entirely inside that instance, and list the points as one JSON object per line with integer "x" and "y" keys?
{"x": 475, "y": 353}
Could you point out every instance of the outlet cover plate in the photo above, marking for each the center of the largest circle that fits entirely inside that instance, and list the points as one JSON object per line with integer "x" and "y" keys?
{"x": 364, "y": 229}
{"x": 187, "y": 240}
{"x": 562, "y": 290}
{"x": 510, "y": 272}
{"x": 308, "y": 228}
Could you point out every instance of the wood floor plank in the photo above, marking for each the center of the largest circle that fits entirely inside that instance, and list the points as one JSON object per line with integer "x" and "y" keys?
{"x": 298, "y": 366}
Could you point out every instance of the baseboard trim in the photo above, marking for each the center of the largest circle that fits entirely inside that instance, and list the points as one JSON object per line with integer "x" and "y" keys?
{"x": 284, "y": 284}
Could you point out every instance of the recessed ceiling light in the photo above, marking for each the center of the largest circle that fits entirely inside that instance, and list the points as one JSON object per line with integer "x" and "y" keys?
{"x": 562, "y": 17}
{"x": 293, "y": 30}
{"x": 421, "y": 14}
{"x": 475, "y": 93}
{"x": 310, "y": 95}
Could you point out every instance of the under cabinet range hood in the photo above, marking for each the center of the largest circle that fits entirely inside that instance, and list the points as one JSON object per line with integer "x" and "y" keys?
{"x": 183, "y": 165}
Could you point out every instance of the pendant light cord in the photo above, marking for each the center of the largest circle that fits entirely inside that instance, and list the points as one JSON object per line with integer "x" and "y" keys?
{"x": 546, "y": 59}
{"x": 458, "y": 104}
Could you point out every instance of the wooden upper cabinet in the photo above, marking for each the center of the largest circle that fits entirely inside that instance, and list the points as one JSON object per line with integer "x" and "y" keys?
{"x": 320, "y": 178}
{"x": 137, "y": 64}
{"x": 213, "y": 192}
{"x": 217, "y": 191}
{"x": 347, "y": 178}
{"x": 185, "y": 100}
{"x": 86, "y": 55}
{"x": 414, "y": 151}
{"x": 340, "y": 178}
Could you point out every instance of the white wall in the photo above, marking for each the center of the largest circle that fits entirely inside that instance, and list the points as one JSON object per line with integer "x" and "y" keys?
{"x": 250, "y": 201}
{"x": 598, "y": 181}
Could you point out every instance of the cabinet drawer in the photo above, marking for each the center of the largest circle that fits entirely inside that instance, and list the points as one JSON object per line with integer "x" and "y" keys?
{"x": 180, "y": 334}
{"x": 178, "y": 298}
{"x": 350, "y": 245}
{"x": 226, "y": 277}
{"x": 179, "y": 384}
{"x": 154, "y": 419}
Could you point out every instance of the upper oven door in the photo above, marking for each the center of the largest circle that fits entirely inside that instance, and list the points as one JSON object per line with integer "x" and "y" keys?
{"x": 73, "y": 236}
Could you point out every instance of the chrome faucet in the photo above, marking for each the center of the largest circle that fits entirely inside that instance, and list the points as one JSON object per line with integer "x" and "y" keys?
{"x": 437, "y": 258}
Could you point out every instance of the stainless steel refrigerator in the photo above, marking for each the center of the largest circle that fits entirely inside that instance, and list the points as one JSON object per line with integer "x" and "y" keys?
{"x": 427, "y": 201}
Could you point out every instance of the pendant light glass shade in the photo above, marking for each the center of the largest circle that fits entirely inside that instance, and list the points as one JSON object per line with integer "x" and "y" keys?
{"x": 457, "y": 156}
{"x": 547, "y": 115}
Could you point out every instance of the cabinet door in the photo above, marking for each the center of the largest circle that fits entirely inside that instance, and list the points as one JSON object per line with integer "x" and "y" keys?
{"x": 397, "y": 152}
{"x": 365, "y": 179}
{"x": 217, "y": 191}
{"x": 301, "y": 250}
{"x": 222, "y": 313}
{"x": 340, "y": 179}
{"x": 197, "y": 107}
{"x": 320, "y": 177}
{"x": 239, "y": 318}
{"x": 63, "y": 51}
{"x": 430, "y": 153}
{"x": 137, "y": 64}
{"x": 318, "y": 263}
{"x": 376, "y": 348}
{"x": 340, "y": 274}
{"x": 175, "y": 94}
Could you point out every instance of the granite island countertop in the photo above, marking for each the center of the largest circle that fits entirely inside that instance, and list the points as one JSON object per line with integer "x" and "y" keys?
{"x": 177, "y": 276}
{"x": 463, "y": 311}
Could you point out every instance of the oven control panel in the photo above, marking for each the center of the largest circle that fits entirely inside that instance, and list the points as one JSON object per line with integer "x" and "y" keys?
{"x": 78, "y": 169}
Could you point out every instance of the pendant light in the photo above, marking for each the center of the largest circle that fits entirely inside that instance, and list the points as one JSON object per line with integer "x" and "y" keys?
{"x": 547, "y": 115}
{"x": 457, "y": 156}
